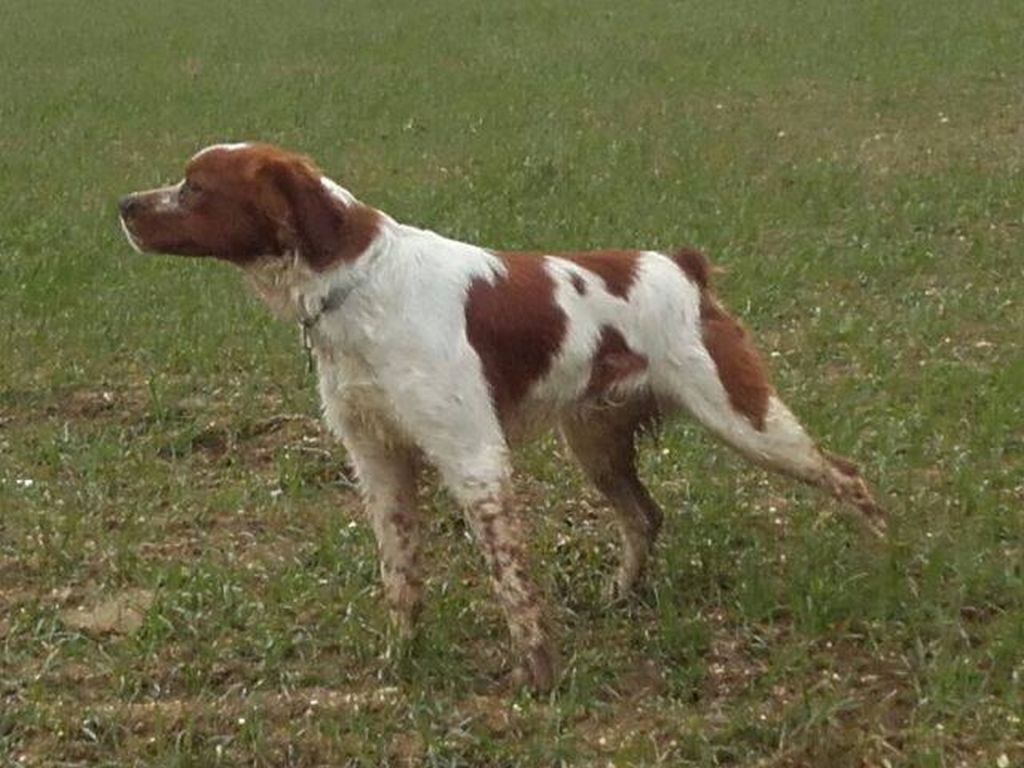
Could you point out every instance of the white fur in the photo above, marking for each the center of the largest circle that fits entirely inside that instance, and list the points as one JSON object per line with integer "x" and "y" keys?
{"x": 226, "y": 147}
{"x": 397, "y": 352}
{"x": 338, "y": 191}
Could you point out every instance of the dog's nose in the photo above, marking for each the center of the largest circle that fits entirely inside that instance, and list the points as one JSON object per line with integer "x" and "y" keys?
{"x": 128, "y": 206}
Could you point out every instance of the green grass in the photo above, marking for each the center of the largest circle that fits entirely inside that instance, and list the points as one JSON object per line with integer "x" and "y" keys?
{"x": 857, "y": 168}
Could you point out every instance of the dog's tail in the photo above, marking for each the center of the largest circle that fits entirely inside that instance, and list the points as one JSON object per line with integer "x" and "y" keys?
{"x": 722, "y": 381}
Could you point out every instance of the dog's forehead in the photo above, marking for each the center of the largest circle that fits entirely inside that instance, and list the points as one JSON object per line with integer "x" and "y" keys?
{"x": 220, "y": 160}
{"x": 224, "y": 148}
{"x": 233, "y": 166}
{"x": 241, "y": 162}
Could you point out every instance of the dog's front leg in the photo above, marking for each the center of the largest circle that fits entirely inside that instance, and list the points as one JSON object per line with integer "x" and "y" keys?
{"x": 498, "y": 529}
{"x": 454, "y": 424}
{"x": 387, "y": 478}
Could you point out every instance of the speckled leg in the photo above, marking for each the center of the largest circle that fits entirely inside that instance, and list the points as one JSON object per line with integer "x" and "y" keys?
{"x": 498, "y": 529}
{"x": 460, "y": 434}
{"x": 387, "y": 478}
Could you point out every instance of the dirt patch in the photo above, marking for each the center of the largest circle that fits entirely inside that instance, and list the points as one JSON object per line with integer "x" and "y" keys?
{"x": 210, "y": 431}
{"x": 253, "y": 441}
{"x": 407, "y": 749}
{"x": 88, "y": 404}
{"x": 122, "y": 614}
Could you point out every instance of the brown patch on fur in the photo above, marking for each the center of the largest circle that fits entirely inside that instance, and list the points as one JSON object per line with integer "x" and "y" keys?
{"x": 740, "y": 368}
{"x": 614, "y": 361}
{"x": 244, "y": 203}
{"x": 323, "y": 229}
{"x": 516, "y": 328}
{"x": 616, "y": 268}
{"x": 696, "y": 266}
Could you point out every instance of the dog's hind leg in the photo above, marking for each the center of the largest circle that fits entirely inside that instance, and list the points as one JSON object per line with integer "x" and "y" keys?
{"x": 718, "y": 377}
{"x": 603, "y": 441}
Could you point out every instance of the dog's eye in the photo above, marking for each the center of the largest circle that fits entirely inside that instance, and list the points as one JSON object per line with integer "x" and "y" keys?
{"x": 188, "y": 190}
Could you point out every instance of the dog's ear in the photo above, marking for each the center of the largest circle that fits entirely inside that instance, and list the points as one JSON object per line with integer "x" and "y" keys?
{"x": 312, "y": 220}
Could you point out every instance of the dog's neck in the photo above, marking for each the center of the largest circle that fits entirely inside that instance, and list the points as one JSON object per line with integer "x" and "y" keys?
{"x": 283, "y": 283}
{"x": 296, "y": 292}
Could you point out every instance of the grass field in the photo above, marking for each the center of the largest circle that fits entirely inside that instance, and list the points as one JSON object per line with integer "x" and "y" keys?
{"x": 185, "y": 579}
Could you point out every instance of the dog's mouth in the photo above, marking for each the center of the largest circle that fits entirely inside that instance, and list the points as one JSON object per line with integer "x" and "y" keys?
{"x": 144, "y": 240}
{"x": 132, "y": 239}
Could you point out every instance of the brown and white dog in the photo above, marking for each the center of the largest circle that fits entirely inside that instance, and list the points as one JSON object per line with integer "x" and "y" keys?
{"x": 429, "y": 347}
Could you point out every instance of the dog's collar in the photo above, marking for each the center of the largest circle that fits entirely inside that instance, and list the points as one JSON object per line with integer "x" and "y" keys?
{"x": 329, "y": 303}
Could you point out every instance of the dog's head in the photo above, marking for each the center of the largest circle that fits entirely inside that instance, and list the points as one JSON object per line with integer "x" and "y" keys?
{"x": 244, "y": 202}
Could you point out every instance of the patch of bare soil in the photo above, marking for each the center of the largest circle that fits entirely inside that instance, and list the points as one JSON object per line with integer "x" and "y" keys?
{"x": 733, "y": 665}
{"x": 120, "y": 614}
{"x": 93, "y": 403}
{"x": 259, "y": 439}
{"x": 210, "y": 431}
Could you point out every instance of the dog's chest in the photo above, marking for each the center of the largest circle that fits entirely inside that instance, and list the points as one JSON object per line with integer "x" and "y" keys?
{"x": 351, "y": 394}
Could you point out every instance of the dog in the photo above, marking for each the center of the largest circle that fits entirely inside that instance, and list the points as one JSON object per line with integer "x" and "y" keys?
{"x": 430, "y": 348}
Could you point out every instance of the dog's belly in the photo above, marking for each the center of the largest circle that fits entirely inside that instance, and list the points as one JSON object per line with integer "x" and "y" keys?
{"x": 577, "y": 393}
{"x": 531, "y": 419}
